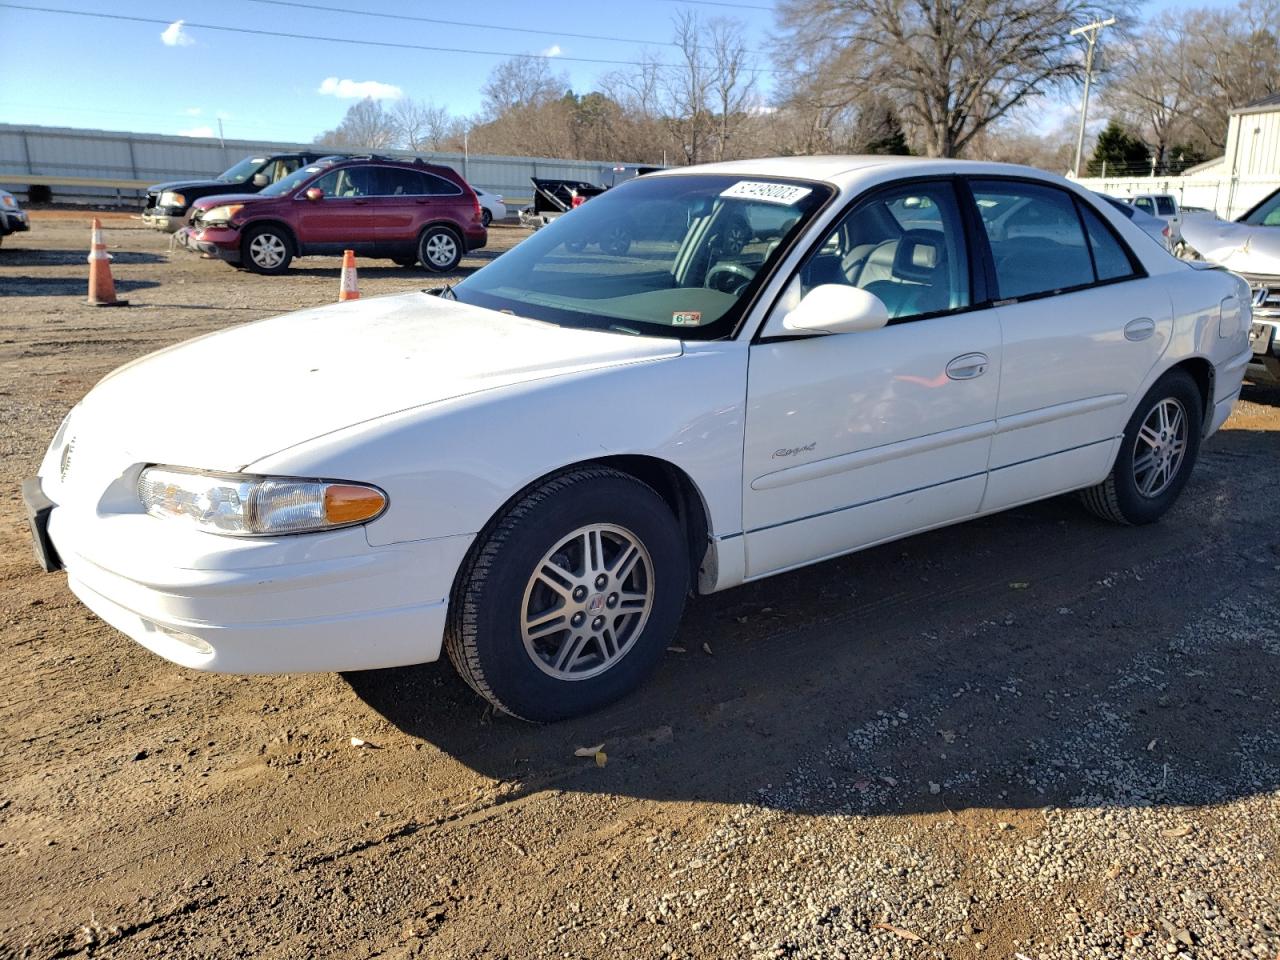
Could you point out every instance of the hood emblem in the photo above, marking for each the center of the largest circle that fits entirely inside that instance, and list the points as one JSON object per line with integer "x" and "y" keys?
{"x": 64, "y": 465}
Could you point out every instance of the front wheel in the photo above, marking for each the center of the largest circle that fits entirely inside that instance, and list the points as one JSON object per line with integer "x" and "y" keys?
{"x": 1158, "y": 450}
{"x": 439, "y": 249}
{"x": 266, "y": 250}
{"x": 570, "y": 599}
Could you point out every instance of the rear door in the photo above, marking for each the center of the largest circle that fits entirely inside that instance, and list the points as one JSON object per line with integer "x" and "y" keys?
{"x": 344, "y": 218}
{"x": 1081, "y": 324}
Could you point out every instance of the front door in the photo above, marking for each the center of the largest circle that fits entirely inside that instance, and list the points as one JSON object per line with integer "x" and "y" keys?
{"x": 856, "y": 438}
{"x": 344, "y": 218}
{"x": 1082, "y": 328}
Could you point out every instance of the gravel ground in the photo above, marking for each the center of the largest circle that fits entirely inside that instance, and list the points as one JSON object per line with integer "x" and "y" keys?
{"x": 1030, "y": 736}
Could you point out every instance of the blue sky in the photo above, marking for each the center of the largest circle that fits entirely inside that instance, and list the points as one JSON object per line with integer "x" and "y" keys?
{"x": 61, "y": 70}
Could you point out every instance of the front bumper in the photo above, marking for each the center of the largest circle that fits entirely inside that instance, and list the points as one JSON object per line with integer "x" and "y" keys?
{"x": 168, "y": 222}
{"x": 1264, "y": 339}
{"x": 13, "y": 221}
{"x": 317, "y": 602}
{"x": 216, "y": 243}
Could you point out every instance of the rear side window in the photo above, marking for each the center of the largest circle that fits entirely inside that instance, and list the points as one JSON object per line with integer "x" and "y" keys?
{"x": 1037, "y": 243}
{"x": 1166, "y": 207}
{"x": 401, "y": 183}
{"x": 440, "y": 187}
{"x": 1145, "y": 205}
{"x": 1110, "y": 259}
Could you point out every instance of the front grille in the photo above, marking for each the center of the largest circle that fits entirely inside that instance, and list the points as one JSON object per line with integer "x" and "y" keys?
{"x": 1265, "y": 294}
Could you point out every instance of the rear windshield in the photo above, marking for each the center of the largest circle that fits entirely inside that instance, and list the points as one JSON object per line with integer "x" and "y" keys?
{"x": 663, "y": 256}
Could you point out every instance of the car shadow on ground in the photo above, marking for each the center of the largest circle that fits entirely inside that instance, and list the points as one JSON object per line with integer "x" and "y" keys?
{"x": 18, "y": 257}
{"x": 64, "y": 286}
{"x": 1037, "y": 657}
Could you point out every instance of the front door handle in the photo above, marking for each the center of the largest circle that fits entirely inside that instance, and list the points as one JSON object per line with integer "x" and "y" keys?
{"x": 968, "y": 367}
{"x": 1139, "y": 329}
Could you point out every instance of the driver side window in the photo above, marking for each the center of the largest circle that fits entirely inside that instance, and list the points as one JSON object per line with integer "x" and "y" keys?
{"x": 905, "y": 245}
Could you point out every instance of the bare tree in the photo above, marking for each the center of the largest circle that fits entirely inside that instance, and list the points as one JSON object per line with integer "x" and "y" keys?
{"x": 424, "y": 126}
{"x": 521, "y": 82}
{"x": 1151, "y": 79}
{"x": 366, "y": 125}
{"x": 686, "y": 92}
{"x": 951, "y": 67}
{"x": 733, "y": 82}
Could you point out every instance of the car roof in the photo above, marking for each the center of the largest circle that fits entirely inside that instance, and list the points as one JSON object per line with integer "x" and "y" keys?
{"x": 845, "y": 170}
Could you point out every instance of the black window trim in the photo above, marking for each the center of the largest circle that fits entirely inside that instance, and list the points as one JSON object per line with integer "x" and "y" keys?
{"x": 1135, "y": 262}
{"x": 980, "y": 282}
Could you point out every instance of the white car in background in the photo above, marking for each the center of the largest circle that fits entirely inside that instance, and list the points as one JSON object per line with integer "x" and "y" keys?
{"x": 492, "y": 206}
{"x": 534, "y": 468}
{"x": 1162, "y": 206}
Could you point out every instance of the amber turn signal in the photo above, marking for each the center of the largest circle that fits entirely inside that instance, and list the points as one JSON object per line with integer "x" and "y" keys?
{"x": 348, "y": 503}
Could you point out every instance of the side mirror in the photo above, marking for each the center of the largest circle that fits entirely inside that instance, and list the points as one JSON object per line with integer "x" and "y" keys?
{"x": 314, "y": 193}
{"x": 837, "y": 308}
{"x": 260, "y": 180}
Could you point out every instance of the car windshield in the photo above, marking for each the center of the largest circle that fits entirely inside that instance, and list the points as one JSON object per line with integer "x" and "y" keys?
{"x": 1265, "y": 214}
{"x": 294, "y": 180}
{"x": 242, "y": 171}
{"x": 657, "y": 256}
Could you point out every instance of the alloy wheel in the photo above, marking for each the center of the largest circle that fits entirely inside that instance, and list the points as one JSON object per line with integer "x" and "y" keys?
{"x": 1159, "y": 448}
{"x": 441, "y": 249}
{"x": 587, "y": 602}
{"x": 267, "y": 250}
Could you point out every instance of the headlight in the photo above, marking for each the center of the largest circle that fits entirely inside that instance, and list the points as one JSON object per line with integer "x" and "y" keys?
{"x": 171, "y": 199}
{"x": 221, "y": 214}
{"x": 245, "y": 506}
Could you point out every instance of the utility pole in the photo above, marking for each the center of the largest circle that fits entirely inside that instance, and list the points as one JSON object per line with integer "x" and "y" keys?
{"x": 221, "y": 142}
{"x": 1090, "y": 32}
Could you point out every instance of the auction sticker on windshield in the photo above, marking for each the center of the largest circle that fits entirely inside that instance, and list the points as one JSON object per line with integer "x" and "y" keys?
{"x": 686, "y": 318}
{"x": 783, "y": 193}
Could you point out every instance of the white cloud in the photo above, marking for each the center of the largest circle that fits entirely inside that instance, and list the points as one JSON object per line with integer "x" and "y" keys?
{"x": 551, "y": 51}
{"x": 175, "y": 35}
{"x": 193, "y": 111}
{"x": 359, "y": 89}
{"x": 197, "y": 132}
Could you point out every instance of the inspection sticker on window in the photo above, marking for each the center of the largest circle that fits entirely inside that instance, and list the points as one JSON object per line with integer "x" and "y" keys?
{"x": 783, "y": 193}
{"x": 686, "y": 318}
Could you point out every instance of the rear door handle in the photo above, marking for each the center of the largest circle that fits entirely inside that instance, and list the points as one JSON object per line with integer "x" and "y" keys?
{"x": 968, "y": 367}
{"x": 1139, "y": 329}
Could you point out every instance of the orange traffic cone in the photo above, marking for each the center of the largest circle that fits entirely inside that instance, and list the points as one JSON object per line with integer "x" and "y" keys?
{"x": 102, "y": 288}
{"x": 349, "y": 289}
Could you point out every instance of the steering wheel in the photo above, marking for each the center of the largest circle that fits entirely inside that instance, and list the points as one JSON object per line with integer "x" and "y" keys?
{"x": 729, "y": 277}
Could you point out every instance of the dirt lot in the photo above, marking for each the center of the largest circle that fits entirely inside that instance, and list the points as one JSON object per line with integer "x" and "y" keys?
{"x": 1032, "y": 736}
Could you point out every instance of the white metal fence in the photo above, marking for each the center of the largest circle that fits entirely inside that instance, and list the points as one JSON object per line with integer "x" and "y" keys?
{"x": 101, "y": 164}
{"x": 1226, "y": 196}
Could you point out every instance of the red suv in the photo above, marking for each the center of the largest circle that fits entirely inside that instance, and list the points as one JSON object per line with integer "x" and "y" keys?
{"x": 405, "y": 210}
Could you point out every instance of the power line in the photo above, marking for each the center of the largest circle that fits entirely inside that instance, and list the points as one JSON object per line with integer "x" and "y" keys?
{"x": 307, "y": 36}
{"x": 457, "y": 23}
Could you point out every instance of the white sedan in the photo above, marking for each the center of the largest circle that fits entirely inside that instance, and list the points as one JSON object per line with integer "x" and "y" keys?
{"x": 492, "y": 206}
{"x": 534, "y": 468}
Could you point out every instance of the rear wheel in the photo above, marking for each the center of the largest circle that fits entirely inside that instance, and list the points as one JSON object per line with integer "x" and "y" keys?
{"x": 439, "y": 249}
{"x": 1158, "y": 450}
{"x": 486, "y": 217}
{"x": 571, "y": 597}
{"x": 266, "y": 249}
{"x": 616, "y": 239}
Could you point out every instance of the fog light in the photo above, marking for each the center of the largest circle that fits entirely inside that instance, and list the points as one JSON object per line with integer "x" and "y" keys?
{"x": 186, "y": 639}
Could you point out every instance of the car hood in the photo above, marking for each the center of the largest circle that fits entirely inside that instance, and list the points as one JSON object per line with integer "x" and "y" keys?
{"x": 1237, "y": 246}
{"x": 229, "y": 398}
{"x": 218, "y": 199}
{"x": 192, "y": 185}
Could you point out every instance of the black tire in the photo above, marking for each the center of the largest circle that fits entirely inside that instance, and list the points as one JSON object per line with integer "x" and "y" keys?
{"x": 737, "y": 234}
{"x": 255, "y": 244}
{"x": 486, "y": 217}
{"x": 1119, "y": 497}
{"x": 616, "y": 239}
{"x": 439, "y": 249}
{"x": 484, "y": 636}
{"x": 404, "y": 261}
